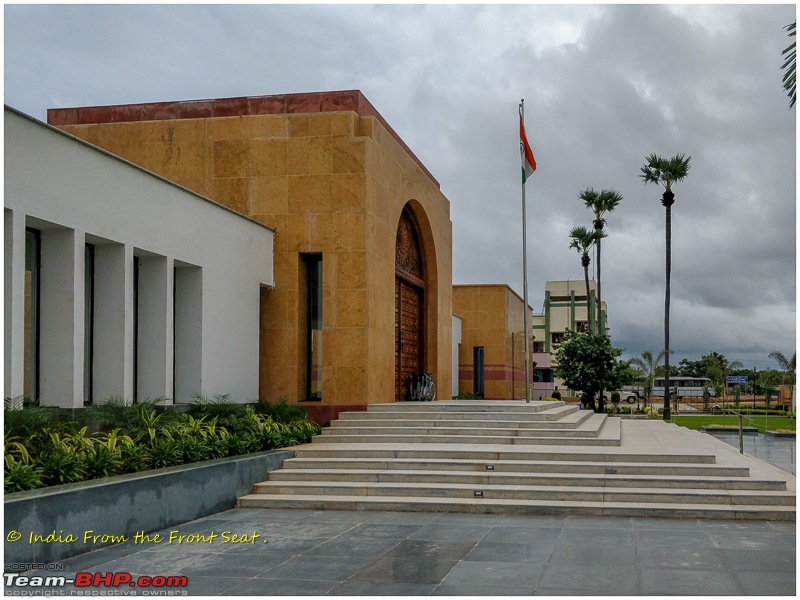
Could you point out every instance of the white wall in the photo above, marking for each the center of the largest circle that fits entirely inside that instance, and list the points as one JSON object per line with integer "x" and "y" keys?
{"x": 75, "y": 193}
{"x": 456, "y": 344}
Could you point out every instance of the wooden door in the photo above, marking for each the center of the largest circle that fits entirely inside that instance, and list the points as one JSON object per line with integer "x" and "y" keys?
{"x": 408, "y": 335}
{"x": 409, "y": 305}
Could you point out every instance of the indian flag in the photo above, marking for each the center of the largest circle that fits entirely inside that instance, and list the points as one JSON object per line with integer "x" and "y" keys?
{"x": 528, "y": 162}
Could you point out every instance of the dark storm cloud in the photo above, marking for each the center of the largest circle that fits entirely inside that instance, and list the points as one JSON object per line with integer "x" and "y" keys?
{"x": 604, "y": 86}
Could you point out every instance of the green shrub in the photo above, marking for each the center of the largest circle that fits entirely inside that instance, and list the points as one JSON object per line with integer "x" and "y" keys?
{"x": 19, "y": 476}
{"x": 62, "y": 465}
{"x": 556, "y": 394}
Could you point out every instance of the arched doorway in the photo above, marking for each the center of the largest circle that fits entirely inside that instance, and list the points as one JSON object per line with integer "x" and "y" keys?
{"x": 409, "y": 304}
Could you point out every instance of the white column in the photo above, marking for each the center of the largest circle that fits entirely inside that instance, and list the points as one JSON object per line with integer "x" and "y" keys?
{"x": 14, "y": 310}
{"x": 155, "y": 325}
{"x": 61, "y": 346}
{"x": 113, "y": 322}
{"x": 188, "y": 332}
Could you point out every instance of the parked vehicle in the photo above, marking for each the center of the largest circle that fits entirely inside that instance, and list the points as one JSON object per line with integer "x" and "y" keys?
{"x": 684, "y": 387}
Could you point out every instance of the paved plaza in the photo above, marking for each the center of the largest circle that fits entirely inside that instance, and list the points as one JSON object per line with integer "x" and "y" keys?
{"x": 355, "y": 553}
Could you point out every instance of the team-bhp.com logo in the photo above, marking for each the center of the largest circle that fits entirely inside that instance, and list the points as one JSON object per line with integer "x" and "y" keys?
{"x": 152, "y": 586}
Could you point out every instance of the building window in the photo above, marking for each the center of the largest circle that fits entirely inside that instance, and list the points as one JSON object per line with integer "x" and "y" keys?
{"x": 313, "y": 264}
{"x": 538, "y": 346}
{"x": 581, "y": 326}
{"x": 543, "y": 375}
{"x": 33, "y": 266}
{"x": 557, "y": 338}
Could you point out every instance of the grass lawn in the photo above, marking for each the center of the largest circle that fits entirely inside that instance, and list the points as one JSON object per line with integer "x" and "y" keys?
{"x": 772, "y": 422}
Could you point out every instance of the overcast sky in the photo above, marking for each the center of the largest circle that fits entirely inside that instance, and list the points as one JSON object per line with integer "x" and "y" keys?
{"x": 604, "y": 86}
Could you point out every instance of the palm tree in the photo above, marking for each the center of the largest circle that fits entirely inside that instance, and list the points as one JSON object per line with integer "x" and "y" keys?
{"x": 648, "y": 365}
{"x": 600, "y": 203}
{"x": 789, "y": 366}
{"x": 790, "y": 76}
{"x": 666, "y": 171}
{"x": 582, "y": 241}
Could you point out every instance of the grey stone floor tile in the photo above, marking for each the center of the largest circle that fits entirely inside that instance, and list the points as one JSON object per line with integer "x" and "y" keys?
{"x": 447, "y": 589}
{"x": 382, "y": 530}
{"x": 522, "y": 535}
{"x": 406, "y": 569}
{"x": 771, "y": 560}
{"x": 451, "y": 532}
{"x": 495, "y": 573}
{"x": 598, "y": 522}
{"x": 689, "y": 582}
{"x": 593, "y": 554}
{"x": 282, "y": 587}
{"x": 285, "y": 545}
{"x": 307, "y": 529}
{"x": 761, "y": 583}
{"x": 431, "y": 550}
{"x": 680, "y": 558}
{"x": 534, "y": 521}
{"x": 371, "y": 588}
{"x": 513, "y": 552}
{"x": 329, "y": 568}
{"x": 665, "y": 524}
{"x": 690, "y": 540}
{"x": 596, "y": 537}
{"x": 353, "y": 546}
{"x": 749, "y": 540}
{"x": 243, "y": 566}
{"x": 580, "y": 579}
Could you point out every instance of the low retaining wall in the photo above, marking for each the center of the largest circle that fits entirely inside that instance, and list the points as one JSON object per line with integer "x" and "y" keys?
{"x": 125, "y": 505}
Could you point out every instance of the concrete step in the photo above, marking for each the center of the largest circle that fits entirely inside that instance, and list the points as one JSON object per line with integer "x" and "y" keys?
{"x": 451, "y": 429}
{"x": 518, "y": 466}
{"x": 490, "y": 455}
{"x": 437, "y": 439}
{"x": 569, "y": 421}
{"x": 595, "y": 429}
{"x": 471, "y": 406}
{"x": 502, "y": 506}
{"x": 599, "y": 494}
{"x": 547, "y": 413}
{"x": 526, "y": 478}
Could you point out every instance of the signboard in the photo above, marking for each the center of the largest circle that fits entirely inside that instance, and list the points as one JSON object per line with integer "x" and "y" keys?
{"x": 738, "y": 379}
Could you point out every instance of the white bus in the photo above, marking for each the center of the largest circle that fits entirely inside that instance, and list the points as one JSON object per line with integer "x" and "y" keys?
{"x": 684, "y": 387}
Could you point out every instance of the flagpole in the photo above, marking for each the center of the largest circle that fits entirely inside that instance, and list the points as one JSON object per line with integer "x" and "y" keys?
{"x": 525, "y": 276}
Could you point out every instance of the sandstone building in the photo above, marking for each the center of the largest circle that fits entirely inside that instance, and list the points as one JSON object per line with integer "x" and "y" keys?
{"x": 363, "y": 238}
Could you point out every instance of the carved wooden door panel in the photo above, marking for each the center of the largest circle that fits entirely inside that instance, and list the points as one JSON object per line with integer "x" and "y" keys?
{"x": 409, "y": 305}
{"x": 408, "y": 335}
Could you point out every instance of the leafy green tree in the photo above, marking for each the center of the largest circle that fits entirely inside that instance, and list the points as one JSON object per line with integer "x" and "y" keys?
{"x": 582, "y": 240}
{"x": 600, "y": 203}
{"x": 790, "y": 76}
{"x": 648, "y": 366}
{"x": 587, "y": 362}
{"x": 666, "y": 172}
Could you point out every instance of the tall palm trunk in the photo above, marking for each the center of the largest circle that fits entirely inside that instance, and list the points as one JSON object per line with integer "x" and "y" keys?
{"x": 667, "y": 200}
{"x": 599, "y": 317}
{"x": 588, "y": 394}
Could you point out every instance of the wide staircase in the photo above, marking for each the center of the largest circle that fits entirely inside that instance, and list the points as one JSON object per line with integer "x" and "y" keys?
{"x": 513, "y": 457}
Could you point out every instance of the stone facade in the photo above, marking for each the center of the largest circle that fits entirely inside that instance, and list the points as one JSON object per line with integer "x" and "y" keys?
{"x": 491, "y": 319}
{"x": 332, "y": 178}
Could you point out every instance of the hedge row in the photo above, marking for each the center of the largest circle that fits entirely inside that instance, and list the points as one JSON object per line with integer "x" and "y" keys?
{"x": 43, "y": 447}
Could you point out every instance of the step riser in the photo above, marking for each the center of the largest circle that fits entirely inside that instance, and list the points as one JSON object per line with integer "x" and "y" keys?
{"x": 458, "y": 431}
{"x": 499, "y": 479}
{"x": 574, "y": 468}
{"x": 568, "y": 494}
{"x": 458, "y": 424}
{"x": 455, "y": 439}
{"x": 595, "y": 455}
{"x": 467, "y": 416}
{"x": 491, "y": 407}
{"x": 478, "y": 507}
